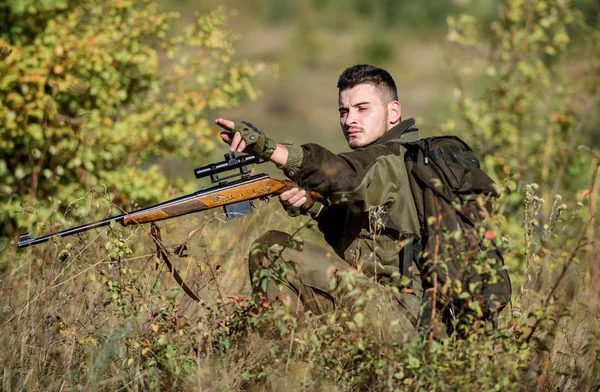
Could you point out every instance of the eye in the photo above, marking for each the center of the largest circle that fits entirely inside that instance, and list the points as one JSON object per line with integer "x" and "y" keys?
{"x": 362, "y": 109}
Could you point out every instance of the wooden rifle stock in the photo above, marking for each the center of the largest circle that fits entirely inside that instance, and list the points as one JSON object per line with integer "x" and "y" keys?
{"x": 255, "y": 187}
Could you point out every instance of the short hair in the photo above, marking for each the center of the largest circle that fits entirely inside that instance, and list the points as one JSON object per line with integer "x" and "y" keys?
{"x": 365, "y": 73}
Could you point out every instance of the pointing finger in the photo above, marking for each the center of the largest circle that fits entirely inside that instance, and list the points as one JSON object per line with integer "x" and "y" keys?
{"x": 225, "y": 124}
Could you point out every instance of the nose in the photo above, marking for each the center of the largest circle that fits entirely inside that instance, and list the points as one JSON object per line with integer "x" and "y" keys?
{"x": 350, "y": 118}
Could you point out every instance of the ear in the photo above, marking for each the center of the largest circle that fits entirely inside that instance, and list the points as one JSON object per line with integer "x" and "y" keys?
{"x": 394, "y": 112}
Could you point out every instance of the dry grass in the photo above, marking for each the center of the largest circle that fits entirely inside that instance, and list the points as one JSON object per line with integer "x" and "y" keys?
{"x": 66, "y": 330}
{"x": 63, "y": 324}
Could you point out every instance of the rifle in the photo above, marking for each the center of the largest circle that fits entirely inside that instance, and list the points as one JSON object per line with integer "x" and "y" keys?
{"x": 236, "y": 197}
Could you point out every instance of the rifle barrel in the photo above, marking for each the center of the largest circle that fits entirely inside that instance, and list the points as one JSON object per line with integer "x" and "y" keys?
{"x": 25, "y": 240}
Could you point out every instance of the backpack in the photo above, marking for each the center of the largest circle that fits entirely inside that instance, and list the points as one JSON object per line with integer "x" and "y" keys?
{"x": 454, "y": 255}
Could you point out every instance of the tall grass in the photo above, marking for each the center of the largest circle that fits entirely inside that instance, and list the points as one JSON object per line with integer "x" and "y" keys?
{"x": 102, "y": 313}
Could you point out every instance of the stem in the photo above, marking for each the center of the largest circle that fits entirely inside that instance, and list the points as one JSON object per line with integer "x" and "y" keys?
{"x": 212, "y": 273}
{"x": 435, "y": 259}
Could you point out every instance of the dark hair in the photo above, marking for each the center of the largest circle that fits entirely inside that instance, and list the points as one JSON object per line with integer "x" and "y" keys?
{"x": 365, "y": 73}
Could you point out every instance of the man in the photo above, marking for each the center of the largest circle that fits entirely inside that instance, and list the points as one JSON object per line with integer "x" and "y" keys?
{"x": 368, "y": 215}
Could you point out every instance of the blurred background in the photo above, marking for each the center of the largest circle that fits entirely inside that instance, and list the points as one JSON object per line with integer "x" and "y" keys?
{"x": 309, "y": 43}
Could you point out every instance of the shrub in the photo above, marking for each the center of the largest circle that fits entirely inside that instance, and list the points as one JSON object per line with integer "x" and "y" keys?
{"x": 96, "y": 93}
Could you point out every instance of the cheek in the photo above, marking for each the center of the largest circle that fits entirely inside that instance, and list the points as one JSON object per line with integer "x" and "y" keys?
{"x": 373, "y": 121}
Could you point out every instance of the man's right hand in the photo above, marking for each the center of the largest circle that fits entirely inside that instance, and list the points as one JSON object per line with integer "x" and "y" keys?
{"x": 292, "y": 201}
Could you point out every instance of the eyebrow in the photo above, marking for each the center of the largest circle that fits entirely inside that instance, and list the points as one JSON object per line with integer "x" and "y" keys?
{"x": 356, "y": 104}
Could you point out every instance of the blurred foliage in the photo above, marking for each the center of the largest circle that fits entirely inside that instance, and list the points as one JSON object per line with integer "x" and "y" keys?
{"x": 97, "y": 92}
{"x": 374, "y": 24}
{"x": 531, "y": 108}
{"x": 535, "y": 102}
{"x": 427, "y": 16}
{"x": 344, "y": 14}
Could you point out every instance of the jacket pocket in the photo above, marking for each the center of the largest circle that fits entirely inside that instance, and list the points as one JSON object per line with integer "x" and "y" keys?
{"x": 460, "y": 167}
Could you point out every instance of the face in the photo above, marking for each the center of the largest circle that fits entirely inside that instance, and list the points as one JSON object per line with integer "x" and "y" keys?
{"x": 363, "y": 115}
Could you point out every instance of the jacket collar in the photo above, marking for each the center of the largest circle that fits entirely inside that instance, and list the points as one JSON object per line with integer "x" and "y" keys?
{"x": 404, "y": 132}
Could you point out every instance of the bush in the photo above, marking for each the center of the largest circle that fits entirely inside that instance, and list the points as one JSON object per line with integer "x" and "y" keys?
{"x": 96, "y": 93}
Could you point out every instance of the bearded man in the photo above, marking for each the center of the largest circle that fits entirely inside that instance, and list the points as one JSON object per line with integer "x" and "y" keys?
{"x": 367, "y": 216}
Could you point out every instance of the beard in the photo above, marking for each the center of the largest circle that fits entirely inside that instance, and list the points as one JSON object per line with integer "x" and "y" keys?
{"x": 369, "y": 138}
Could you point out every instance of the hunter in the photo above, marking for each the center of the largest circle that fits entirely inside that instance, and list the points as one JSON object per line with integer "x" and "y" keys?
{"x": 368, "y": 214}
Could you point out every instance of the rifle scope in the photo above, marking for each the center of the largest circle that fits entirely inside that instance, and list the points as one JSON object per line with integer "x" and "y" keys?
{"x": 231, "y": 162}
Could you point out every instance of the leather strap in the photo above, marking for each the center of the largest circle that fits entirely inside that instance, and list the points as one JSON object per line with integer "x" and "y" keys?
{"x": 161, "y": 250}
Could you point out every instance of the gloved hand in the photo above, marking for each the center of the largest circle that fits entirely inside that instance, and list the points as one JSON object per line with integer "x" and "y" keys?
{"x": 257, "y": 143}
{"x": 299, "y": 202}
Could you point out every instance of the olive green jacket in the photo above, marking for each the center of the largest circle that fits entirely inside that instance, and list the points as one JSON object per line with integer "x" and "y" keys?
{"x": 364, "y": 189}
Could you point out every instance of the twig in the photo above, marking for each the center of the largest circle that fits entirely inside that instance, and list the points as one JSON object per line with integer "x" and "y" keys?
{"x": 289, "y": 358}
{"x": 212, "y": 273}
{"x": 435, "y": 260}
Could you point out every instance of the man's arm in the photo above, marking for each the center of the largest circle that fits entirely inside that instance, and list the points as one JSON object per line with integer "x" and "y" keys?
{"x": 366, "y": 177}
{"x": 296, "y": 196}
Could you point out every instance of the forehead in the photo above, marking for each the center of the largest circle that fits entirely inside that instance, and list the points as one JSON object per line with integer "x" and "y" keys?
{"x": 361, "y": 93}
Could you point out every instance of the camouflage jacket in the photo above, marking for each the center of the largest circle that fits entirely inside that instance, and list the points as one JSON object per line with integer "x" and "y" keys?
{"x": 364, "y": 188}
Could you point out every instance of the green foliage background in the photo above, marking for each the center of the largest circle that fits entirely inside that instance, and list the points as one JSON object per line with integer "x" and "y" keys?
{"x": 105, "y": 104}
{"x": 95, "y": 94}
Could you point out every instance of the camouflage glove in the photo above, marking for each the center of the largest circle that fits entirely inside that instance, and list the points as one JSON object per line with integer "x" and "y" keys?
{"x": 294, "y": 211}
{"x": 257, "y": 143}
